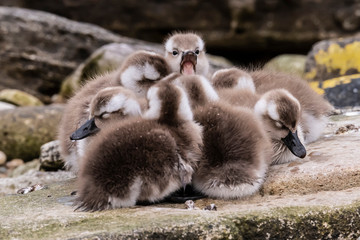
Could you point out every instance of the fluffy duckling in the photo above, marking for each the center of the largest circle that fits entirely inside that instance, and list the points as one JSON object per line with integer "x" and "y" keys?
{"x": 315, "y": 109}
{"x": 109, "y": 104}
{"x": 185, "y": 53}
{"x": 236, "y": 151}
{"x": 235, "y": 86}
{"x": 142, "y": 159}
{"x": 139, "y": 71}
{"x": 279, "y": 111}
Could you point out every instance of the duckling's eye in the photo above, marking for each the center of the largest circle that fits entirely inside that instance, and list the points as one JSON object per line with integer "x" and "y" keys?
{"x": 197, "y": 51}
{"x": 279, "y": 124}
{"x": 105, "y": 115}
{"x": 175, "y": 53}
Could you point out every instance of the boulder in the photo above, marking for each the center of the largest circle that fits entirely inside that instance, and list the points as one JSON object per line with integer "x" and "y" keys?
{"x": 333, "y": 66}
{"x": 288, "y": 63}
{"x": 14, "y": 163}
{"x": 19, "y": 98}
{"x": 333, "y": 58}
{"x": 50, "y": 157}
{"x": 242, "y": 28}
{"x": 40, "y": 49}
{"x": 24, "y": 129}
{"x": 33, "y": 165}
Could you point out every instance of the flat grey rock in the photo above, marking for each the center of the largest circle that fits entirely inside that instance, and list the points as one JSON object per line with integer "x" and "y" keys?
{"x": 309, "y": 199}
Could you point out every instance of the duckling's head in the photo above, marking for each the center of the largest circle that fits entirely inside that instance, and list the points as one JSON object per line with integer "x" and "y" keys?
{"x": 280, "y": 112}
{"x": 168, "y": 103}
{"x": 233, "y": 78}
{"x": 108, "y": 104}
{"x": 141, "y": 70}
{"x": 185, "y": 53}
{"x": 197, "y": 88}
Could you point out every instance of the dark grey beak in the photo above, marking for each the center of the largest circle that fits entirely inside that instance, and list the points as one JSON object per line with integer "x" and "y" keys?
{"x": 188, "y": 56}
{"x": 87, "y": 129}
{"x": 294, "y": 144}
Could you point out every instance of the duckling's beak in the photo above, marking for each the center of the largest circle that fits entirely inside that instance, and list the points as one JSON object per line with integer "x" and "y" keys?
{"x": 294, "y": 144}
{"x": 188, "y": 63}
{"x": 87, "y": 129}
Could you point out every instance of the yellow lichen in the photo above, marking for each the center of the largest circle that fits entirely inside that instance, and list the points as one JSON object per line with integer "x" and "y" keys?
{"x": 311, "y": 74}
{"x": 320, "y": 87}
{"x": 342, "y": 58}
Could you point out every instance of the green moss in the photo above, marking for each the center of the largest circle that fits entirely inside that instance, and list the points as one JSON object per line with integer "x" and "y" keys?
{"x": 38, "y": 216}
{"x": 90, "y": 69}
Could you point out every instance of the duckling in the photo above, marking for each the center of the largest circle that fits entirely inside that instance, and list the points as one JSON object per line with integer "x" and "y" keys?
{"x": 236, "y": 151}
{"x": 315, "y": 109}
{"x": 139, "y": 71}
{"x": 279, "y": 111}
{"x": 185, "y": 53}
{"x": 235, "y": 86}
{"x": 109, "y": 104}
{"x": 142, "y": 159}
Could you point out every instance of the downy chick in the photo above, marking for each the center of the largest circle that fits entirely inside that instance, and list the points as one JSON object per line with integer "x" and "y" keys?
{"x": 109, "y": 104}
{"x": 279, "y": 111}
{"x": 236, "y": 151}
{"x": 185, "y": 53}
{"x": 142, "y": 159}
{"x": 139, "y": 71}
{"x": 315, "y": 109}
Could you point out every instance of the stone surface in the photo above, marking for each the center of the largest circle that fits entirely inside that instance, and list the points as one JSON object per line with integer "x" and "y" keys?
{"x": 38, "y": 49}
{"x": 2, "y": 158}
{"x": 24, "y": 129}
{"x": 248, "y": 26}
{"x": 14, "y": 163}
{"x": 10, "y": 185}
{"x": 6, "y": 106}
{"x": 314, "y": 198}
{"x": 33, "y": 165}
{"x": 50, "y": 157}
{"x": 288, "y": 63}
{"x": 19, "y": 98}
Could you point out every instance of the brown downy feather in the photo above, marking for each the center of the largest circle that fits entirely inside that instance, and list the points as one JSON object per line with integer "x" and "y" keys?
{"x": 141, "y": 159}
{"x": 315, "y": 109}
{"x": 236, "y": 151}
{"x": 144, "y": 64}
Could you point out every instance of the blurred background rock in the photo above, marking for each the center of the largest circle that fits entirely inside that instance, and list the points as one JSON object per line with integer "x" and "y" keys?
{"x": 49, "y": 48}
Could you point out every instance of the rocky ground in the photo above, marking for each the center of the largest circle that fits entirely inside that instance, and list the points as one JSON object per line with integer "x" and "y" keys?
{"x": 313, "y": 198}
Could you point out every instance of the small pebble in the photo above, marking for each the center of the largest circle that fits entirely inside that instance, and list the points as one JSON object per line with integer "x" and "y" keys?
{"x": 25, "y": 190}
{"x": 2, "y": 158}
{"x": 14, "y": 163}
{"x": 211, "y": 207}
{"x": 30, "y": 189}
{"x": 190, "y": 204}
